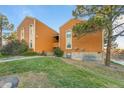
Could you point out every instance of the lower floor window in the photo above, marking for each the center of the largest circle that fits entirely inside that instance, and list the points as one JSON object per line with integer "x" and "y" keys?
{"x": 30, "y": 44}
{"x": 69, "y": 40}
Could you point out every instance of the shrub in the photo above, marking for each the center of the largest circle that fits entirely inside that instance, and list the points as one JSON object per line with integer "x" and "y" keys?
{"x": 29, "y": 53}
{"x": 58, "y": 52}
{"x": 23, "y": 47}
{"x": 15, "y": 47}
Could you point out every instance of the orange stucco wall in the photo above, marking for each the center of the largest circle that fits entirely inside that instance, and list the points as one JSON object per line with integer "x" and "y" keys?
{"x": 44, "y": 35}
{"x": 92, "y": 42}
{"x": 25, "y": 24}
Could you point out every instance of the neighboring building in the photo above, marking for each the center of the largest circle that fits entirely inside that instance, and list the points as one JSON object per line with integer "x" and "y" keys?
{"x": 88, "y": 47}
{"x": 38, "y": 36}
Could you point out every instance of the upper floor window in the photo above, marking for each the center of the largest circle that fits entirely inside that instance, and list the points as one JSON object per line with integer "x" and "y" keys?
{"x": 68, "y": 40}
{"x": 31, "y": 28}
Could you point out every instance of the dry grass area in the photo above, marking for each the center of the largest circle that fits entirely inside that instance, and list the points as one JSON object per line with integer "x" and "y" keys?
{"x": 34, "y": 80}
{"x": 31, "y": 80}
{"x": 115, "y": 71}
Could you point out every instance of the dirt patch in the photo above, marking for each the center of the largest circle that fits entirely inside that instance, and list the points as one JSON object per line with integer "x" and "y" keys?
{"x": 34, "y": 80}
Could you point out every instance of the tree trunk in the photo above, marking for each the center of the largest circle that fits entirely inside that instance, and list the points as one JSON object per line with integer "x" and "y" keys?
{"x": 108, "y": 51}
{"x": 0, "y": 36}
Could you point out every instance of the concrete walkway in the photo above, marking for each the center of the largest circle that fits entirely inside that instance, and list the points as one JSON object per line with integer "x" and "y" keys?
{"x": 8, "y": 59}
{"x": 121, "y": 62}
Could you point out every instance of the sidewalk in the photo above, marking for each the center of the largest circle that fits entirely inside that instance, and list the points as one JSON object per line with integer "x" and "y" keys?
{"x": 8, "y": 59}
{"x": 121, "y": 62}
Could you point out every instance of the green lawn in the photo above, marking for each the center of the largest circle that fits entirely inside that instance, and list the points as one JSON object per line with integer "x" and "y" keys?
{"x": 53, "y": 72}
{"x": 4, "y": 56}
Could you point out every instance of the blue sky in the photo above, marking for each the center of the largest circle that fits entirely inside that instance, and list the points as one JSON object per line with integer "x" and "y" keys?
{"x": 52, "y": 15}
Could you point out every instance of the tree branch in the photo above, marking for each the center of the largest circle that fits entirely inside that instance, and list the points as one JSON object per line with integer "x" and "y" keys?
{"x": 118, "y": 26}
{"x": 119, "y": 34}
{"x": 117, "y": 14}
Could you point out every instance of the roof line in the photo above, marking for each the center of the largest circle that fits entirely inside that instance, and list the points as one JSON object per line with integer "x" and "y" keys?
{"x": 37, "y": 20}
{"x": 70, "y": 20}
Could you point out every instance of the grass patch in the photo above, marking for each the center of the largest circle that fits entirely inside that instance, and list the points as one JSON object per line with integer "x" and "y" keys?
{"x": 34, "y": 80}
{"x": 4, "y": 56}
{"x": 60, "y": 74}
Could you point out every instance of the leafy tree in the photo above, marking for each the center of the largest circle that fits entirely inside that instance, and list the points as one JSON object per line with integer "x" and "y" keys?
{"x": 15, "y": 47}
{"x": 114, "y": 44}
{"x": 4, "y": 25}
{"x": 12, "y": 36}
{"x": 107, "y": 18}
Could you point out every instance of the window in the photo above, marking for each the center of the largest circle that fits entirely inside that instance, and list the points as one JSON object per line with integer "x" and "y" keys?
{"x": 31, "y": 36}
{"x": 22, "y": 33}
{"x": 30, "y": 44}
{"x": 68, "y": 40}
{"x": 31, "y": 28}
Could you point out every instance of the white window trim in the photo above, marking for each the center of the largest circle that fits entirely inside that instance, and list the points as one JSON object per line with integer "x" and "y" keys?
{"x": 30, "y": 44}
{"x": 32, "y": 36}
{"x": 66, "y": 38}
{"x": 22, "y": 32}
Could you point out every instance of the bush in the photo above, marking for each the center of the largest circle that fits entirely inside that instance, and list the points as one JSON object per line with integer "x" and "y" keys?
{"x": 58, "y": 52}
{"x": 23, "y": 47}
{"x": 15, "y": 47}
{"x": 29, "y": 53}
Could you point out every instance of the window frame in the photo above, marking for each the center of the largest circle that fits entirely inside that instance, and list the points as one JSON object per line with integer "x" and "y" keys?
{"x": 69, "y": 38}
{"x": 30, "y": 45}
{"x": 31, "y": 28}
{"x": 22, "y": 33}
